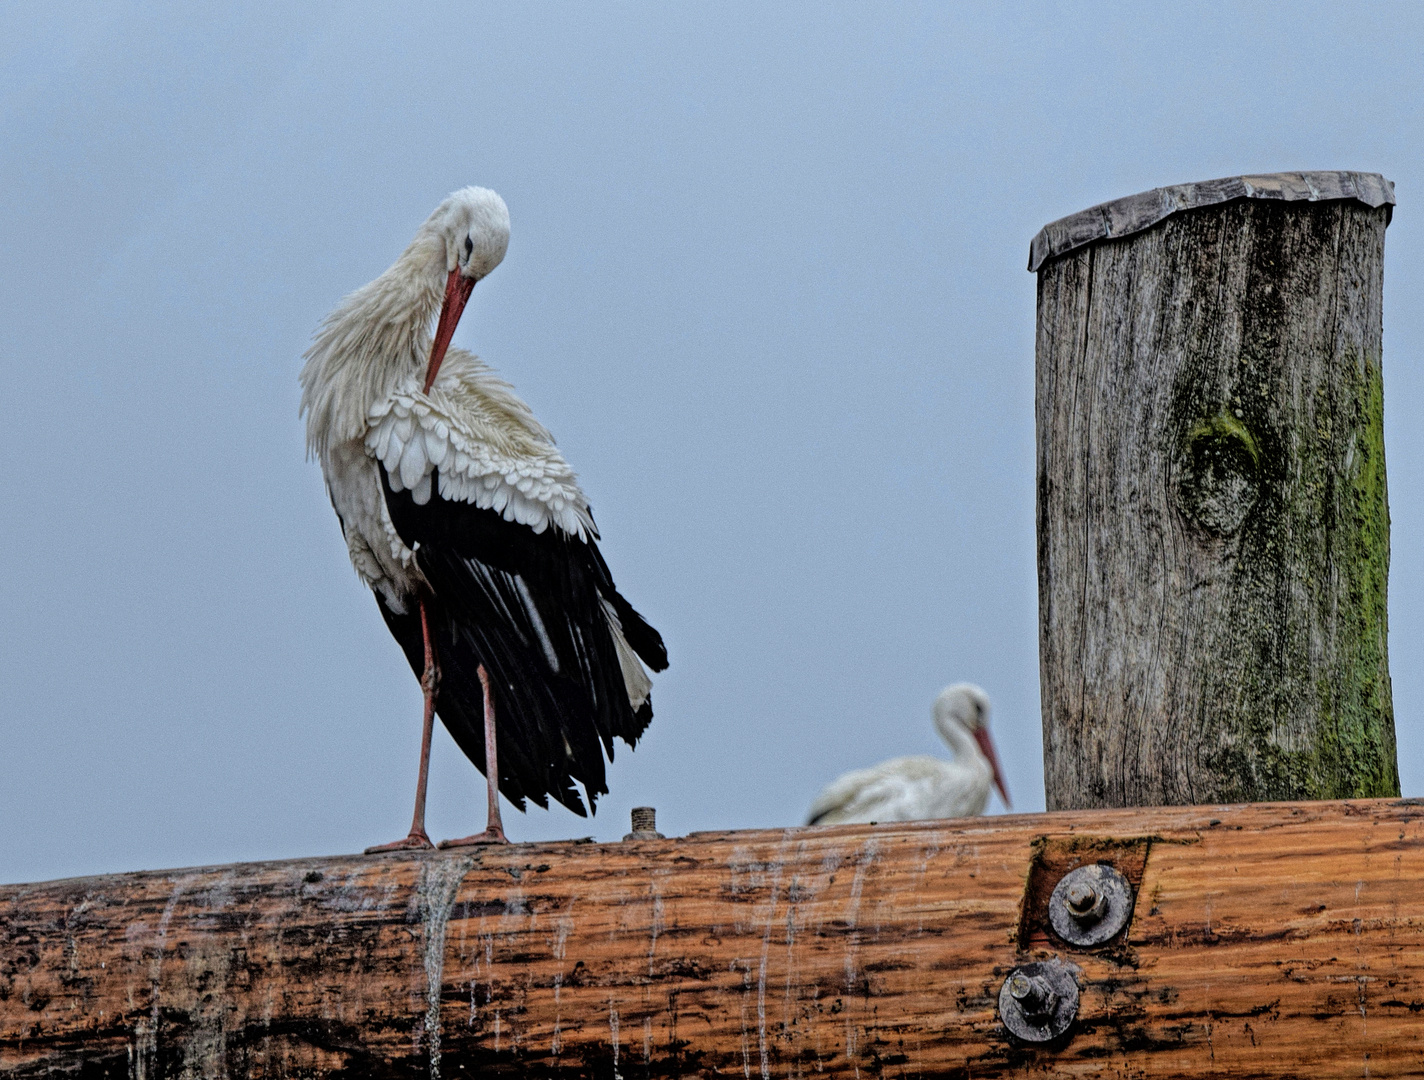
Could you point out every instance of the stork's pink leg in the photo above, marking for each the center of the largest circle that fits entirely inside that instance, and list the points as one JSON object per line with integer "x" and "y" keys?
{"x": 417, "y": 837}
{"x": 494, "y": 831}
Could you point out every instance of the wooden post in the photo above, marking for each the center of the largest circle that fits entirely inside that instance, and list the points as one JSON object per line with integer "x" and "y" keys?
{"x": 1213, "y": 529}
{"x": 1266, "y": 940}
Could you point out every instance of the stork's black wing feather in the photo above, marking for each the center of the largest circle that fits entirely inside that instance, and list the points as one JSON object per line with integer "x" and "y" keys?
{"x": 531, "y": 608}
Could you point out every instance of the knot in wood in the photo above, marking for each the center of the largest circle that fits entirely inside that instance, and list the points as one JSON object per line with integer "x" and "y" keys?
{"x": 1217, "y": 470}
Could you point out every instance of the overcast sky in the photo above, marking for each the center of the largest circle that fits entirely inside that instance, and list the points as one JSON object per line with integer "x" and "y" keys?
{"x": 766, "y": 284}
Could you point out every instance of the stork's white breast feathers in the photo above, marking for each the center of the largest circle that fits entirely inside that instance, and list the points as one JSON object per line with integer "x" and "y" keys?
{"x": 479, "y": 451}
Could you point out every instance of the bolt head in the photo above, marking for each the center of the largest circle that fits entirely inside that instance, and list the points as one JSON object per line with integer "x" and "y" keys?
{"x": 1032, "y": 992}
{"x": 1038, "y": 1001}
{"x": 1081, "y": 897}
{"x": 1090, "y": 905}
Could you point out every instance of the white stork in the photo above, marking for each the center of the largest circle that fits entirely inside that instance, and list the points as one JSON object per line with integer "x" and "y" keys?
{"x": 914, "y": 788}
{"x": 470, "y": 528}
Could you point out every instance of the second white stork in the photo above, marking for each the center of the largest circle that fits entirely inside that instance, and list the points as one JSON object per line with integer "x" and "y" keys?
{"x": 470, "y": 528}
{"x": 914, "y": 788}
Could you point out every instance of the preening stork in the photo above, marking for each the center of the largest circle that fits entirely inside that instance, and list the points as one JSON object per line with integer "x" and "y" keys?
{"x": 915, "y": 788}
{"x": 471, "y": 529}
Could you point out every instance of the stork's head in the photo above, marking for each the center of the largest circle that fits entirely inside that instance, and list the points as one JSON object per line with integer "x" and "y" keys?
{"x": 966, "y": 706}
{"x": 473, "y": 225}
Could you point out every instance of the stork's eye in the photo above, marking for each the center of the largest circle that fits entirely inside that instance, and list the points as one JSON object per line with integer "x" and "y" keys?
{"x": 469, "y": 245}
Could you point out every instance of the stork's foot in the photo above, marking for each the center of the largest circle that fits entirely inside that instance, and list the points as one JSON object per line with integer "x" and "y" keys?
{"x": 493, "y": 835}
{"x": 416, "y": 841}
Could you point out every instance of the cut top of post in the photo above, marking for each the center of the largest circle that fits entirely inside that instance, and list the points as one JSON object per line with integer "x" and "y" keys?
{"x": 1123, "y": 217}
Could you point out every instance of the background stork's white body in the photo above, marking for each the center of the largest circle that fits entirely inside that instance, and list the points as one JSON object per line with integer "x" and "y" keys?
{"x": 920, "y": 787}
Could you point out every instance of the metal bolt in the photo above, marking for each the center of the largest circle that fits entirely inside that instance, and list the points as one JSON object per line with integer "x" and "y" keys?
{"x": 1090, "y": 905}
{"x": 1038, "y": 1002}
{"x": 645, "y": 824}
{"x": 1033, "y": 994}
{"x": 1084, "y": 902}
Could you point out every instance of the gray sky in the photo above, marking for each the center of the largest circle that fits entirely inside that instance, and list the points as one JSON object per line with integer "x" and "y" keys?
{"x": 766, "y": 285}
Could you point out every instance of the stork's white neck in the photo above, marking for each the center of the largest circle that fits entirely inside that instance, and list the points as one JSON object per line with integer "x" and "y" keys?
{"x": 966, "y": 750}
{"x": 378, "y": 336}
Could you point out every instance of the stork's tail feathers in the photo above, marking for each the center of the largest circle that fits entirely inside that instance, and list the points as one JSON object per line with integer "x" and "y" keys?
{"x": 539, "y": 611}
{"x": 642, "y": 638}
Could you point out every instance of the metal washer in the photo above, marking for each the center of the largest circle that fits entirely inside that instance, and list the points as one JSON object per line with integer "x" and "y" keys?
{"x": 1062, "y": 1008}
{"x": 1116, "y": 900}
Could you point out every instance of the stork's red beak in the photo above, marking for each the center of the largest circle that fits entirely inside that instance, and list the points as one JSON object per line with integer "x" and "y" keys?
{"x": 986, "y": 744}
{"x": 457, "y": 294}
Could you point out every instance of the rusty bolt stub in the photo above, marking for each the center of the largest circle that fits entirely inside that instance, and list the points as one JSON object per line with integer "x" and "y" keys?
{"x": 1035, "y": 997}
{"x": 1090, "y": 905}
{"x": 1085, "y": 903}
{"x": 645, "y": 824}
{"x": 1038, "y": 1002}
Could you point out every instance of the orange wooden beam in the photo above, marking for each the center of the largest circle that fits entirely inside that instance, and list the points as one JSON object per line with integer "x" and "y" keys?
{"x": 1267, "y": 940}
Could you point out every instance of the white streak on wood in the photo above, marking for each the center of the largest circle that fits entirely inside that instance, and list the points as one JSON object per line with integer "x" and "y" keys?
{"x": 774, "y": 868}
{"x": 655, "y": 891}
{"x": 742, "y": 1001}
{"x": 566, "y": 924}
{"x": 435, "y": 895}
{"x": 613, "y": 1033}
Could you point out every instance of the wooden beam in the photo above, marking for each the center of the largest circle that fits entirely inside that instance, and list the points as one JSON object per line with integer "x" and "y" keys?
{"x": 1212, "y": 519}
{"x": 1267, "y": 940}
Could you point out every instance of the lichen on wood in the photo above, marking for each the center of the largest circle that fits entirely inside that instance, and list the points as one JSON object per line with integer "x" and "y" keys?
{"x": 1213, "y": 516}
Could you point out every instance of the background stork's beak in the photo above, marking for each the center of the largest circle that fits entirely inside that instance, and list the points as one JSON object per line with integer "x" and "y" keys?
{"x": 981, "y": 736}
{"x": 457, "y": 293}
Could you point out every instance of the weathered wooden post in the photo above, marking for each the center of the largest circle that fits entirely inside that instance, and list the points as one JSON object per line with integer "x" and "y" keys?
{"x": 1213, "y": 529}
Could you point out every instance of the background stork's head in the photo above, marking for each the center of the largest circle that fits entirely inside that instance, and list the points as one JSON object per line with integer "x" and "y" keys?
{"x": 966, "y": 706}
{"x": 473, "y": 224}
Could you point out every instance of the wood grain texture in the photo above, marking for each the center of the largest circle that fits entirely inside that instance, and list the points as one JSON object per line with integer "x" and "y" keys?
{"x": 1213, "y": 526}
{"x": 1281, "y": 940}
